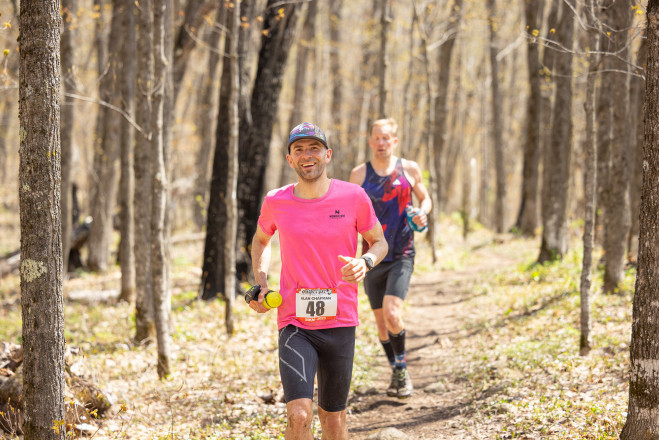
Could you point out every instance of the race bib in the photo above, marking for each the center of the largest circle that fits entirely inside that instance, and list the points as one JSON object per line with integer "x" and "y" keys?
{"x": 316, "y": 304}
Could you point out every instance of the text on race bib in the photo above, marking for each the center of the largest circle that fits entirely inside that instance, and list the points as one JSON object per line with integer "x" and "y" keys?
{"x": 315, "y": 304}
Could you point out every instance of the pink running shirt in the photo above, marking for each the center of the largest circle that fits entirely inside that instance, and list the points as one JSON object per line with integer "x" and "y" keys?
{"x": 312, "y": 234}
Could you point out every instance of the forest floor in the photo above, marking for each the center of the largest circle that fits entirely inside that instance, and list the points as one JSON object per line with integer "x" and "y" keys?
{"x": 492, "y": 344}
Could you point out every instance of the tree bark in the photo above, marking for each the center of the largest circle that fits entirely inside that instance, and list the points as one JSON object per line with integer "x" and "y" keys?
{"x": 430, "y": 122}
{"x": 214, "y": 264}
{"x": 558, "y": 153}
{"x": 144, "y": 324}
{"x": 527, "y": 219}
{"x": 618, "y": 219}
{"x": 279, "y": 29}
{"x": 40, "y": 210}
{"x": 206, "y": 115}
{"x": 159, "y": 183}
{"x": 213, "y": 275}
{"x": 185, "y": 41}
{"x": 497, "y": 123}
{"x": 383, "y": 66}
{"x": 643, "y": 413}
{"x": 67, "y": 116}
{"x": 590, "y": 178}
{"x": 105, "y": 174}
{"x": 440, "y": 103}
{"x": 637, "y": 91}
{"x": 305, "y": 56}
{"x": 232, "y": 184}
{"x": 127, "y": 180}
{"x": 337, "y": 132}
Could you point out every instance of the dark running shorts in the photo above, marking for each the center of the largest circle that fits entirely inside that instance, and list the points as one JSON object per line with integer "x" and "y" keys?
{"x": 329, "y": 351}
{"x": 389, "y": 278}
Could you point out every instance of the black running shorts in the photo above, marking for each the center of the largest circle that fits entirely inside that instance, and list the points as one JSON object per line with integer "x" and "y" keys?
{"x": 329, "y": 351}
{"x": 388, "y": 278}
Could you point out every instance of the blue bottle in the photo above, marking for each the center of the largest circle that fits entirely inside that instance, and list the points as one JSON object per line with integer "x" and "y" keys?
{"x": 411, "y": 212}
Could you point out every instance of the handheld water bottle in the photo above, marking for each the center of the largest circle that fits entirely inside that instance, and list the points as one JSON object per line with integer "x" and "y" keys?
{"x": 411, "y": 212}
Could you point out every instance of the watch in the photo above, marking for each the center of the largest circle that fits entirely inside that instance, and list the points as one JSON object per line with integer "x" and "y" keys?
{"x": 369, "y": 262}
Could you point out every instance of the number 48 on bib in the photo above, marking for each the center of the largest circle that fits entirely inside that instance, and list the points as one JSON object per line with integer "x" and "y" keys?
{"x": 316, "y": 304}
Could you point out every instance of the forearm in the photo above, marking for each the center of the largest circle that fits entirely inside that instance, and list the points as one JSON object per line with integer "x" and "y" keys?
{"x": 377, "y": 250}
{"x": 426, "y": 205}
{"x": 261, "y": 253}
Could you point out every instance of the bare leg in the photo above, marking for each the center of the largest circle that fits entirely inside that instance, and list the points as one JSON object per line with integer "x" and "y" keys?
{"x": 299, "y": 413}
{"x": 334, "y": 424}
{"x": 389, "y": 318}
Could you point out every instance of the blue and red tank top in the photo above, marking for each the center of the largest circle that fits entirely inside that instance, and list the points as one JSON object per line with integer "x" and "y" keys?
{"x": 389, "y": 196}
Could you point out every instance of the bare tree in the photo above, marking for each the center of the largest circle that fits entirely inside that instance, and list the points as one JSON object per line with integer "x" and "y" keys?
{"x": 206, "y": 116}
{"x": 127, "y": 180}
{"x": 159, "y": 183}
{"x": 67, "y": 113}
{"x": 305, "y": 56}
{"x": 278, "y": 35}
{"x": 558, "y": 153}
{"x": 617, "y": 220}
{"x": 637, "y": 91}
{"x": 497, "y": 123}
{"x": 232, "y": 184}
{"x": 527, "y": 219}
{"x": 430, "y": 122}
{"x": 41, "y": 238}
{"x": 440, "y": 102}
{"x": 144, "y": 325}
{"x": 186, "y": 40}
{"x": 105, "y": 176}
{"x": 383, "y": 66}
{"x": 643, "y": 411}
{"x": 590, "y": 177}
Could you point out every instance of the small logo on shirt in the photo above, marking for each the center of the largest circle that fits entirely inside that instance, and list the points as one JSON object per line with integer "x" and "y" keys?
{"x": 396, "y": 182}
{"x": 337, "y": 214}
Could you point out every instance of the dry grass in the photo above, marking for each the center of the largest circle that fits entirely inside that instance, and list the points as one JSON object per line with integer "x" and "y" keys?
{"x": 518, "y": 356}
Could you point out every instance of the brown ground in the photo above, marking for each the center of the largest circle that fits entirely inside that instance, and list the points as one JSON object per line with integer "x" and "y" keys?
{"x": 442, "y": 406}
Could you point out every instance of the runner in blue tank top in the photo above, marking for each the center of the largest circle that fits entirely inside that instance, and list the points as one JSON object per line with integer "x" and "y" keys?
{"x": 390, "y": 181}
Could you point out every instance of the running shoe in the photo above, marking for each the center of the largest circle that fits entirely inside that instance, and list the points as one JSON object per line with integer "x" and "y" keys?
{"x": 404, "y": 383}
{"x": 392, "y": 391}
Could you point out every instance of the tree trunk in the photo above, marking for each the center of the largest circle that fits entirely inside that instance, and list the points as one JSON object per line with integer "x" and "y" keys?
{"x": 337, "y": 131}
{"x": 214, "y": 264}
{"x": 105, "y": 175}
{"x": 383, "y": 67}
{"x": 144, "y": 325}
{"x": 206, "y": 115}
{"x": 276, "y": 42}
{"x": 497, "y": 124}
{"x": 643, "y": 413}
{"x": 213, "y": 275}
{"x": 41, "y": 238}
{"x": 185, "y": 40}
{"x": 440, "y": 103}
{"x": 430, "y": 122}
{"x": 558, "y": 153}
{"x": 617, "y": 220}
{"x": 637, "y": 91}
{"x": 232, "y": 184}
{"x": 127, "y": 181}
{"x": 590, "y": 179}
{"x": 305, "y": 57}
{"x": 159, "y": 183}
{"x": 67, "y": 115}
{"x": 527, "y": 219}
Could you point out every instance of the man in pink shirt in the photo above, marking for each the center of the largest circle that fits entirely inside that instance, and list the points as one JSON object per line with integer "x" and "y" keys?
{"x": 318, "y": 220}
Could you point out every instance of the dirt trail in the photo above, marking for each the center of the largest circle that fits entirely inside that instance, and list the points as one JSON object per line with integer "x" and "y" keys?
{"x": 440, "y": 407}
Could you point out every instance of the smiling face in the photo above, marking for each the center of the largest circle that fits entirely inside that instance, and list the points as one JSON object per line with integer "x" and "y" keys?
{"x": 382, "y": 141}
{"x": 309, "y": 157}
